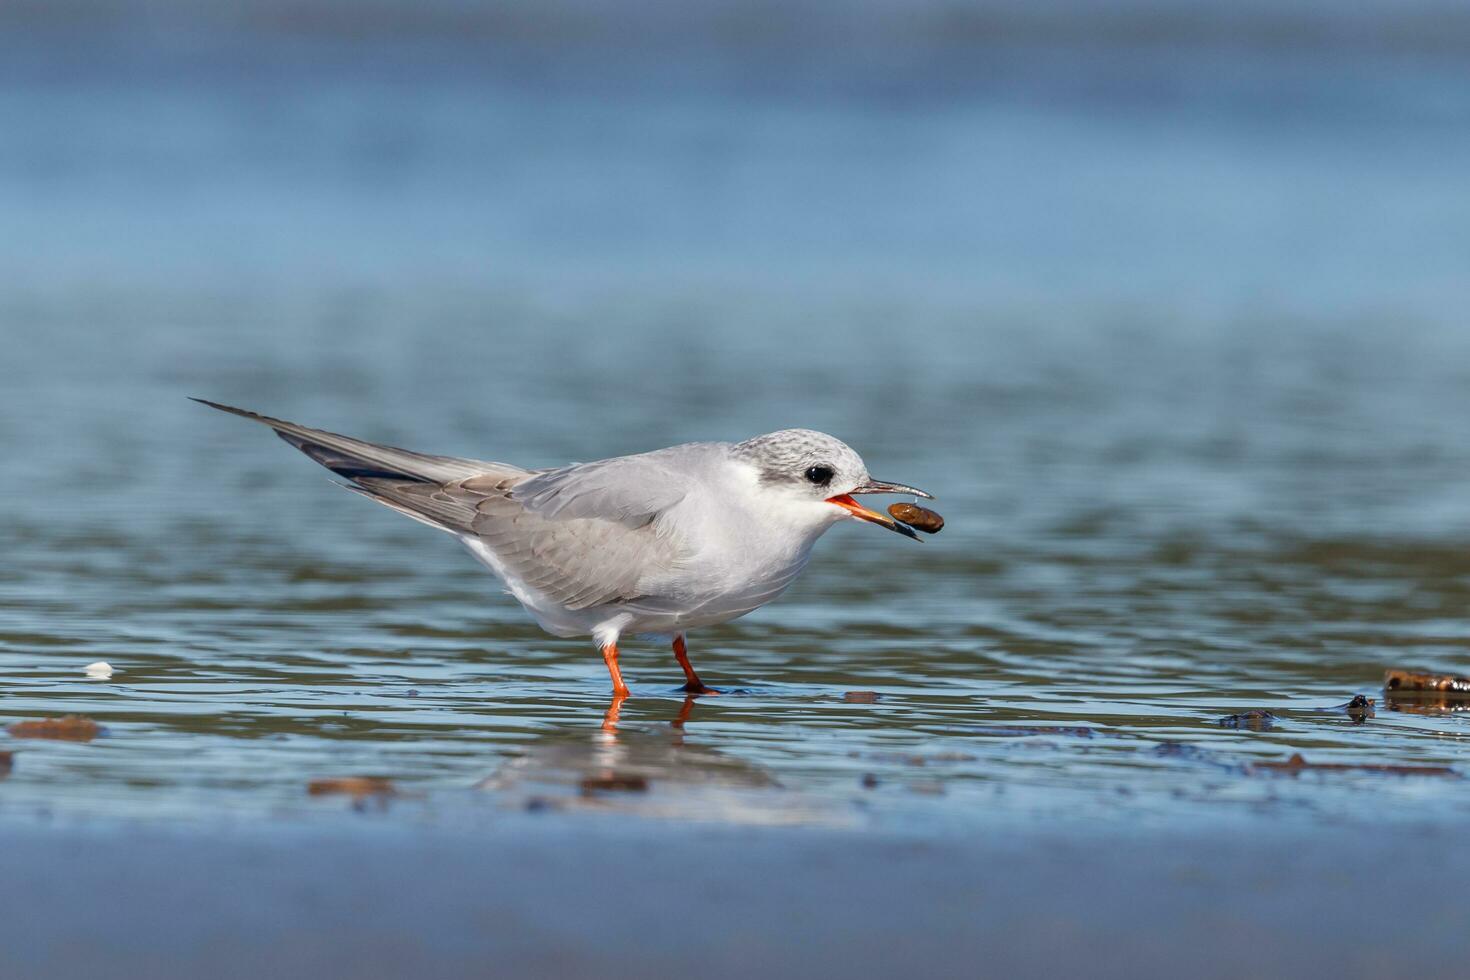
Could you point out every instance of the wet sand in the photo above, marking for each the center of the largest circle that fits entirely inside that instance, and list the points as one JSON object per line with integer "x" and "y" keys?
{"x": 575, "y": 897}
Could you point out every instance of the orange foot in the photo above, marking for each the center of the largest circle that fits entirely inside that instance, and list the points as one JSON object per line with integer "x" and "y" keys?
{"x": 692, "y": 683}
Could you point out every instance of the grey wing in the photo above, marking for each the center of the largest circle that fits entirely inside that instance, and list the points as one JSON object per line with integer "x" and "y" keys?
{"x": 582, "y": 535}
{"x": 576, "y": 562}
{"x": 632, "y": 490}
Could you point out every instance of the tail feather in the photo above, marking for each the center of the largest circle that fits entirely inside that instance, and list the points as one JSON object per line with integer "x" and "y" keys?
{"x": 373, "y": 469}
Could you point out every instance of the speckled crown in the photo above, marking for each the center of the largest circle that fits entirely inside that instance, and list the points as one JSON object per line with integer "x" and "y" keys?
{"x": 785, "y": 455}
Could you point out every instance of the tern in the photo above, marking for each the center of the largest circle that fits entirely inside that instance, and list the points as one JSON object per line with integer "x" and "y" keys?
{"x": 655, "y": 543}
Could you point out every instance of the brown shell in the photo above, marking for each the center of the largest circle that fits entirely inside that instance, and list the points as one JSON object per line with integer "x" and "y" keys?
{"x": 72, "y": 728}
{"x": 919, "y": 518}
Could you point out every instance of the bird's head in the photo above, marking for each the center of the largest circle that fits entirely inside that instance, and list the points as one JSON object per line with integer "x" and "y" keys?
{"x": 813, "y": 477}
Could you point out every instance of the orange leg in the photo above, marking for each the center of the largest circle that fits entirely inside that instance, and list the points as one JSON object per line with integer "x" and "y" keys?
{"x": 692, "y": 683}
{"x": 610, "y": 657}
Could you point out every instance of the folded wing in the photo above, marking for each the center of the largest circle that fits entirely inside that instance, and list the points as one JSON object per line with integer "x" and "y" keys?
{"x": 631, "y": 490}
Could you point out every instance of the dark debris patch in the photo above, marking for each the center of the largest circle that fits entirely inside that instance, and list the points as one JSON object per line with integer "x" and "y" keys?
{"x": 614, "y": 782}
{"x": 1296, "y": 765}
{"x": 7, "y": 760}
{"x": 1255, "y": 720}
{"x": 860, "y": 697}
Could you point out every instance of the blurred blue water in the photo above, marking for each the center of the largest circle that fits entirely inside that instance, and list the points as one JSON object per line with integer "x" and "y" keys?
{"x": 1205, "y": 181}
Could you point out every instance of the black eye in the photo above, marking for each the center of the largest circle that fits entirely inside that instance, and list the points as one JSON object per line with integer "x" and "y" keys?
{"x": 819, "y": 474}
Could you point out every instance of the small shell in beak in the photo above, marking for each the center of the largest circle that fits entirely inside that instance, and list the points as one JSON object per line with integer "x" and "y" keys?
{"x": 913, "y": 515}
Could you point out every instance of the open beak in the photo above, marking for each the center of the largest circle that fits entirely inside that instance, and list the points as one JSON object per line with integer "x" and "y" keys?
{"x": 863, "y": 514}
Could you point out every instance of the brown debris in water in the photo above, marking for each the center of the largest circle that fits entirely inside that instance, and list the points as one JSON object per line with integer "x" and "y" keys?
{"x": 1296, "y": 764}
{"x": 916, "y": 517}
{"x": 1403, "y": 682}
{"x": 614, "y": 782}
{"x": 7, "y": 759}
{"x": 1255, "y": 720}
{"x": 354, "y": 786}
{"x": 72, "y": 728}
{"x": 860, "y": 697}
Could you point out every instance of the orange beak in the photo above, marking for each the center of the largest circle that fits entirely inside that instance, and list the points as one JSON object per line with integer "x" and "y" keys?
{"x": 871, "y": 516}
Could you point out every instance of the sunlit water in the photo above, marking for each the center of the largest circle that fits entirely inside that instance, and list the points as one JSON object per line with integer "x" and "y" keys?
{"x": 1183, "y": 358}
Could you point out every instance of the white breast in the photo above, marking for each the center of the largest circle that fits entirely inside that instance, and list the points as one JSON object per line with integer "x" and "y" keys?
{"x": 743, "y": 544}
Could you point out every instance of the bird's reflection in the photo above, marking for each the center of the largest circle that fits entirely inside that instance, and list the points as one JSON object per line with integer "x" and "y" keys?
{"x": 650, "y": 769}
{"x": 615, "y": 709}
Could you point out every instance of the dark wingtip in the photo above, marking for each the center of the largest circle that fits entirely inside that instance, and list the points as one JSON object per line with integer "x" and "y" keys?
{"x": 242, "y": 412}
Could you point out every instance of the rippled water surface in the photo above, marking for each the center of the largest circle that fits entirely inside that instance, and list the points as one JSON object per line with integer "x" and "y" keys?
{"x": 1188, "y": 375}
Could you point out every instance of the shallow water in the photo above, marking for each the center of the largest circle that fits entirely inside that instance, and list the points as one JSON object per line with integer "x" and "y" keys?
{"x": 1180, "y": 352}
